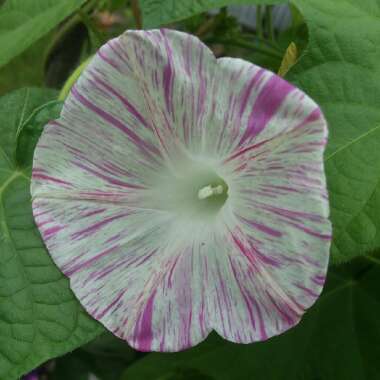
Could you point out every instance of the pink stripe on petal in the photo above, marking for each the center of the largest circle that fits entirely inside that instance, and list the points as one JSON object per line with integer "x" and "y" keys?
{"x": 144, "y": 333}
{"x": 147, "y": 148}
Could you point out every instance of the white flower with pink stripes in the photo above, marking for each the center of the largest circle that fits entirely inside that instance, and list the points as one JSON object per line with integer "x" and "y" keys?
{"x": 182, "y": 194}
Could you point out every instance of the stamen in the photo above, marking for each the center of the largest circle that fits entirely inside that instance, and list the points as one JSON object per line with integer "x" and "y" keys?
{"x": 208, "y": 191}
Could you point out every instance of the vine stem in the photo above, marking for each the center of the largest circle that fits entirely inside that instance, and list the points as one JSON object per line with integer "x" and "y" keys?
{"x": 272, "y": 44}
{"x": 259, "y": 21}
{"x": 85, "y": 18}
{"x": 248, "y": 45}
{"x": 136, "y": 13}
{"x": 269, "y": 21}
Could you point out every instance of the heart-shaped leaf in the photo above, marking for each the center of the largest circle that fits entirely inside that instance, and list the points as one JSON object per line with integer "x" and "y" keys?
{"x": 340, "y": 71}
{"x": 39, "y": 316}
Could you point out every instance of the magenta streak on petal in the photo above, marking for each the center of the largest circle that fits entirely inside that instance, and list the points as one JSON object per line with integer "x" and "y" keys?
{"x": 173, "y": 265}
{"x": 248, "y": 148}
{"x": 167, "y": 122}
{"x": 145, "y": 147}
{"x": 146, "y": 258}
{"x": 292, "y": 215}
{"x": 202, "y": 89}
{"x": 92, "y": 213}
{"x": 248, "y": 254}
{"x": 263, "y": 333}
{"x": 110, "y": 180}
{"x": 313, "y": 117}
{"x": 108, "y": 60}
{"x": 39, "y": 213}
{"x": 266, "y": 106}
{"x": 106, "y": 167}
{"x": 84, "y": 264}
{"x": 105, "y": 271}
{"x": 226, "y": 121}
{"x": 113, "y": 238}
{"x": 187, "y": 55}
{"x": 155, "y": 129}
{"x": 311, "y": 261}
{"x": 309, "y": 231}
{"x": 265, "y": 194}
{"x": 241, "y": 167}
{"x": 117, "y": 49}
{"x": 51, "y": 179}
{"x": 74, "y": 150}
{"x": 185, "y": 128}
{"x": 243, "y": 293}
{"x": 226, "y": 300}
{"x": 125, "y": 101}
{"x": 261, "y": 227}
{"x": 168, "y": 76}
{"x": 144, "y": 333}
{"x": 116, "y": 169}
{"x": 51, "y": 232}
{"x": 220, "y": 309}
{"x": 289, "y": 319}
{"x": 119, "y": 264}
{"x": 110, "y": 306}
{"x": 307, "y": 291}
{"x": 284, "y": 188}
{"x": 265, "y": 259}
{"x": 163, "y": 335}
{"x": 319, "y": 280}
{"x": 107, "y": 197}
{"x": 201, "y": 316}
{"x": 248, "y": 90}
{"x": 41, "y": 224}
{"x": 95, "y": 227}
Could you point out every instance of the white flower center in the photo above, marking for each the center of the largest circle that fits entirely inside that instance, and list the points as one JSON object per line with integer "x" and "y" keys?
{"x": 192, "y": 190}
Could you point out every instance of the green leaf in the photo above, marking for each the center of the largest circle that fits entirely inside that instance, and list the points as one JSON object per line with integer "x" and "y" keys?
{"x": 158, "y": 12}
{"x": 337, "y": 339}
{"x": 31, "y": 130}
{"x": 39, "y": 316}
{"x": 23, "y": 22}
{"x": 340, "y": 70}
{"x": 25, "y": 70}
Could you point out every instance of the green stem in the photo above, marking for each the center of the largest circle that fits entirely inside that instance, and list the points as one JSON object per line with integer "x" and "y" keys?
{"x": 248, "y": 45}
{"x": 259, "y": 21}
{"x": 261, "y": 40}
{"x": 269, "y": 22}
{"x": 210, "y": 24}
{"x": 86, "y": 19}
{"x": 136, "y": 13}
{"x": 206, "y": 27}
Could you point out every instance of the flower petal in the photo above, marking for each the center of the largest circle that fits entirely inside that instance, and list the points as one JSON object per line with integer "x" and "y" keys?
{"x": 154, "y": 279}
{"x": 273, "y": 138}
{"x": 127, "y": 271}
{"x": 92, "y": 169}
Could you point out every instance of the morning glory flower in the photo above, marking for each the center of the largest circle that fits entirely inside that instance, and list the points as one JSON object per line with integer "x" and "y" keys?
{"x": 182, "y": 194}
